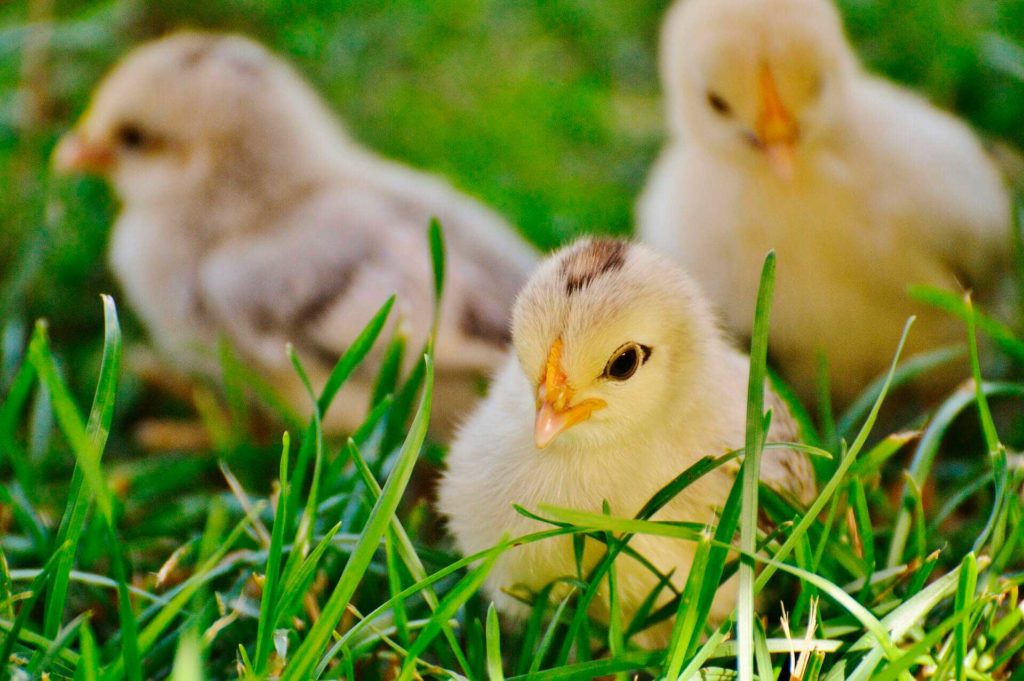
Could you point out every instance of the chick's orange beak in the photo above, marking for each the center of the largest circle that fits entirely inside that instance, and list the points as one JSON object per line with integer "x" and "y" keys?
{"x": 776, "y": 128}
{"x": 76, "y": 154}
{"x": 555, "y": 411}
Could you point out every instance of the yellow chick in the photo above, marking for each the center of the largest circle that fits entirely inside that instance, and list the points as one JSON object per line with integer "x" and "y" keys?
{"x": 248, "y": 212}
{"x": 620, "y": 380}
{"x": 779, "y": 139}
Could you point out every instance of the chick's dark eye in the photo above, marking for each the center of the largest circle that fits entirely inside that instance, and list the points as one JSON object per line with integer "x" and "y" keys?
{"x": 130, "y": 136}
{"x": 626, "y": 360}
{"x": 718, "y": 103}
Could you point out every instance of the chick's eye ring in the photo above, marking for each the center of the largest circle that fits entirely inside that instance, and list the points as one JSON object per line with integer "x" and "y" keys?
{"x": 625, "y": 361}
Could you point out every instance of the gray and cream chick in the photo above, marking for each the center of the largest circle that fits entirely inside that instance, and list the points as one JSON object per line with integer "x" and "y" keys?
{"x": 249, "y": 213}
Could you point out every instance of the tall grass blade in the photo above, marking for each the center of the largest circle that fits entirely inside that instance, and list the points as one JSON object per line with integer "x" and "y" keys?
{"x": 100, "y": 417}
{"x": 494, "y": 669}
{"x": 755, "y": 434}
{"x": 87, "y": 456}
{"x": 301, "y": 665}
{"x": 406, "y": 550}
{"x": 686, "y": 623}
{"x": 964, "y": 601}
{"x": 452, "y": 601}
{"x": 996, "y": 450}
{"x": 271, "y": 585}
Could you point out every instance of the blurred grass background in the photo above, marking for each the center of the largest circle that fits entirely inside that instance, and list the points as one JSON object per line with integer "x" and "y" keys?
{"x": 548, "y": 110}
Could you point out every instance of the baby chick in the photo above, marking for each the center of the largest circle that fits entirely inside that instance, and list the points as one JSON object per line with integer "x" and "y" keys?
{"x": 620, "y": 380}
{"x": 249, "y": 213}
{"x": 779, "y": 139}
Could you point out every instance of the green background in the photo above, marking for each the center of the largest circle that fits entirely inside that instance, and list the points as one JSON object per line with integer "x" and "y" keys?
{"x": 547, "y": 110}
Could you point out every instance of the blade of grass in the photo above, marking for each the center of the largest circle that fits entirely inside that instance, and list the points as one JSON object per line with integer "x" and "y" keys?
{"x": 296, "y": 585}
{"x": 865, "y": 529}
{"x": 188, "y": 660}
{"x": 689, "y": 605}
{"x": 596, "y": 668}
{"x": 598, "y": 522}
{"x": 356, "y": 630}
{"x": 952, "y": 303}
{"x": 35, "y": 589}
{"x": 394, "y": 580}
{"x": 305, "y": 659}
{"x": 354, "y": 355}
{"x": 754, "y": 441}
{"x": 996, "y": 451}
{"x": 762, "y": 656}
{"x": 150, "y": 635}
{"x": 530, "y": 636}
{"x": 724, "y": 534}
{"x": 88, "y": 668}
{"x": 271, "y": 585}
{"x": 64, "y": 638}
{"x": 390, "y": 366}
{"x": 616, "y": 643}
{"x": 406, "y": 550}
{"x": 901, "y": 620}
{"x": 437, "y": 259}
{"x": 927, "y": 449}
{"x": 834, "y": 483}
{"x": 401, "y": 408}
{"x": 660, "y": 498}
{"x": 6, "y": 587}
{"x": 14, "y": 402}
{"x": 347, "y": 363}
{"x": 704, "y": 653}
{"x": 494, "y": 670}
{"x": 964, "y": 601}
{"x": 904, "y": 373}
{"x": 88, "y": 460}
{"x": 549, "y": 634}
{"x": 452, "y": 601}
{"x": 100, "y": 417}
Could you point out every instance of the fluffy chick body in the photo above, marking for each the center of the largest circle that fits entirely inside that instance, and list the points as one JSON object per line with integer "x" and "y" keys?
{"x": 249, "y": 213}
{"x": 885, "y": 191}
{"x": 689, "y": 401}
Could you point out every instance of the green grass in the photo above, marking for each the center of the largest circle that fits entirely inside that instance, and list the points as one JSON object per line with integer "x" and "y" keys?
{"x": 310, "y": 557}
{"x": 345, "y": 579}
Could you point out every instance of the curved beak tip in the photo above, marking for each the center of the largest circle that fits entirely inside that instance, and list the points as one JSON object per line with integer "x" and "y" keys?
{"x": 548, "y": 425}
{"x": 780, "y": 159}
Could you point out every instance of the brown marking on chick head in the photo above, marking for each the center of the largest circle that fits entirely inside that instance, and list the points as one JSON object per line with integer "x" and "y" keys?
{"x": 590, "y": 260}
{"x": 242, "y": 57}
{"x": 197, "y": 51}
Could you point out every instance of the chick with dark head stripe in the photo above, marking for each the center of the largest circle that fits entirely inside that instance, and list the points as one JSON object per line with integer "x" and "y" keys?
{"x": 620, "y": 379}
